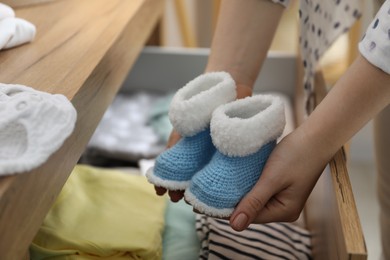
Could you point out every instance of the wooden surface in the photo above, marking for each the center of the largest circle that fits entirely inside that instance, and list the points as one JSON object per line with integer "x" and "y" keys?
{"x": 19, "y": 3}
{"x": 330, "y": 212}
{"x": 332, "y": 217}
{"x": 84, "y": 49}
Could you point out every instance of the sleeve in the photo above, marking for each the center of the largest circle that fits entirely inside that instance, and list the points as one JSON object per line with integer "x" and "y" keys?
{"x": 285, "y": 3}
{"x": 375, "y": 45}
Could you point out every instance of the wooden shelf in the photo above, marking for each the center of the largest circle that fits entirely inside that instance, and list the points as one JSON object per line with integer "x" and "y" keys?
{"x": 84, "y": 49}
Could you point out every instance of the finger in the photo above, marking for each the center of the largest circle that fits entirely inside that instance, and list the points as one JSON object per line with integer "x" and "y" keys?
{"x": 173, "y": 139}
{"x": 176, "y": 195}
{"x": 277, "y": 211}
{"x": 243, "y": 91}
{"x": 251, "y": 205}
{"x": 160, "y": 190}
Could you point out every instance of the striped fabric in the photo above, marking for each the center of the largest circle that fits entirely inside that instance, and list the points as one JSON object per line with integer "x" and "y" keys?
{"x": 268, "y": 241}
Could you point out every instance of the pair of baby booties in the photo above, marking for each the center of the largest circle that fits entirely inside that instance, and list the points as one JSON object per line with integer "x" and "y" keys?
{"x": 225, "y": 143}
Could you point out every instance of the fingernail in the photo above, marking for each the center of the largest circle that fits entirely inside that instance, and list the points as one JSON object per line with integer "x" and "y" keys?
{"x": 239, "y": 222}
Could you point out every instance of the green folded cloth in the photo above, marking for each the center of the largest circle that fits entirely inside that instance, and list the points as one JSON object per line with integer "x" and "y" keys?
{"x": 180, "y": 240}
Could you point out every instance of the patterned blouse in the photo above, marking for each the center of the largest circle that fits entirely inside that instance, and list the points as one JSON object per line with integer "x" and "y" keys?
{"x": 322, "y": 22}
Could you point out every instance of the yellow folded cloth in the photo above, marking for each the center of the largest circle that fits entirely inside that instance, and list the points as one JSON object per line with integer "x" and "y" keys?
{"x": 102, "y": 214}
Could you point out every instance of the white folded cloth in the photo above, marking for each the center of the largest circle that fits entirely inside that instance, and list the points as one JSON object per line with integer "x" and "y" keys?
{"x": 6, "y": 11}
{"x": 33, "y": 125}
{"x": 14, "y": 31}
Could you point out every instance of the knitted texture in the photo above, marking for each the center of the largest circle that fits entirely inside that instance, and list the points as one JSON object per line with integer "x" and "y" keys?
{"x": 33, "y": 125}
{"x": 217, "y": 188}
{"x": 244, "y": 133}
{"x": 190, "y": 113}
{"x": 175, "y": 167}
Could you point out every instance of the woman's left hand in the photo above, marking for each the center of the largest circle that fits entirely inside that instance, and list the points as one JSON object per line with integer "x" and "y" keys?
{"x": 288, "y": 178}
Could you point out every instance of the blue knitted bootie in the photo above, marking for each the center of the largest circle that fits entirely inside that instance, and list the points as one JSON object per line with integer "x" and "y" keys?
{"x": 244, "y": 133}
{"x": 190, "y": 114}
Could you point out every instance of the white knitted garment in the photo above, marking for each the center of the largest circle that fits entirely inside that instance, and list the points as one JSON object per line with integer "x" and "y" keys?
{"x": 33, "y": 125}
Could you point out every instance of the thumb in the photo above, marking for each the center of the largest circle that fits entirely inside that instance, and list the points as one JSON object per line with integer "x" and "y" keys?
{"x": 251, "y": 205}
{"x": 174, "y": 137}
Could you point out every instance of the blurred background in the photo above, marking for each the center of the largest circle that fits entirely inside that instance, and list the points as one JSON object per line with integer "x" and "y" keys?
{"x": 190, "y": 24}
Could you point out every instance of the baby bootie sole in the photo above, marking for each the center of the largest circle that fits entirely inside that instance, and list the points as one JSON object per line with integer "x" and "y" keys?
{"x": 203, "y": 208}
{"x": 168, "y": 184}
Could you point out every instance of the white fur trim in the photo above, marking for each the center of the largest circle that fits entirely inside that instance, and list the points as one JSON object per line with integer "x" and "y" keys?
{"x": 242, "y": 127}
{"x": 192, "y": 106}
{"x": 203, "y": 208}
{"x": 168, "y": 184}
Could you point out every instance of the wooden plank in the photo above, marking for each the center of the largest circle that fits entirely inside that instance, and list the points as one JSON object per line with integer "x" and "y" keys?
{"x": 19, "y": 3}
{"x": 350, "y": 222}
{"x": 331, "y": 215}
{"x": 186, "y": 31}
{"x": 84, "y": 50}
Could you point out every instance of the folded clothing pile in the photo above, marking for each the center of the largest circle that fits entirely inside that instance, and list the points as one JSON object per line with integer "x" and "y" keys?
{"x": 102, "y": 214}
{"x": 14, "y": 31}
{"x": 134, "y": 127}
{"x": 259, "y": 241}
{"x": 180, "y": 239}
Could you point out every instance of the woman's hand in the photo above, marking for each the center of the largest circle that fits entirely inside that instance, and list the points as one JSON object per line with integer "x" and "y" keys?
{"x": 288, "y": 178}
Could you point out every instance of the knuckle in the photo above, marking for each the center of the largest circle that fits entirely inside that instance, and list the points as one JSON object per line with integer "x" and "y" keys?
{"x": 255, "y": 204}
